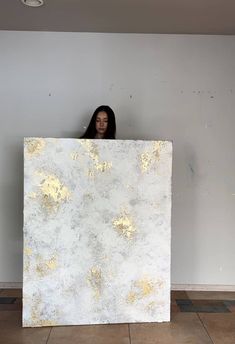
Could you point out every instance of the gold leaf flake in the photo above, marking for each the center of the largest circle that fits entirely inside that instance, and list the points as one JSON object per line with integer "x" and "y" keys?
{"x": 146, "y": 161}
{"x": 34, "y": 147}
{"x": 140, "y": 289}
{"x": 149, "y": 158}
{"x": 91, "y": 174}
{"x": 28, "y": 251}
{"x": 47, "y": 323}
{"x": 37, "y": 319}
{"x": 124, "y": 224}
{"x": 103, "y": 166}
{"x": 131, "y": 297}
{"x": 91, "y": 148}
{"x": 52, "y": 263}
{"x": 53, "y": 192}
{"x": 45, "y": 267}
{"x": 93, "y": 153}
{"x": 95, "y": 280}
{"x": 74, "y": 155}
{"x": 26, "y": 265}
{"x": 145, "y": 286}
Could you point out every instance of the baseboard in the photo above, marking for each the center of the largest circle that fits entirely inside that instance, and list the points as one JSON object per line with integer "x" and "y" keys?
{"x": 203, "y": 287}
{"x": 11, "y": 285}
{"x": 186, "y": 287}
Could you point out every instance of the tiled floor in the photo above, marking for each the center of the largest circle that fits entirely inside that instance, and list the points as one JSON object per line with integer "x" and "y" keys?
{"x": 196, "y": 318}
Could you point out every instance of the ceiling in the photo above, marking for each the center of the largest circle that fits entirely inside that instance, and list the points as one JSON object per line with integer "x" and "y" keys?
{"x": 129, "y": 16}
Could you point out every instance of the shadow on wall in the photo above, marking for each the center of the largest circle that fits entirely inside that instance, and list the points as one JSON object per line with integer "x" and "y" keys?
{"x": 184, "y": 214}
{"x": 12, "y": 207}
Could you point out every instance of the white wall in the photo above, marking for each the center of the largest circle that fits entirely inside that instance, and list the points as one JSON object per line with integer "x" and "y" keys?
{"x": 172, "y": 87}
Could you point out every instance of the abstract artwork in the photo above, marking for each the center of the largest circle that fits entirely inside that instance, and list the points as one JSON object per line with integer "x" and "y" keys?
{"x": 97, "y": 231}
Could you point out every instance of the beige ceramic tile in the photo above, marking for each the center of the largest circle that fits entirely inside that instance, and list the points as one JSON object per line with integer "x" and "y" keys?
{"x": 231, "y": 308}
{"x": 211, "y": 295}
{"x": 174, "y": 307}
{"x": 220, "y": 326}
{"x": 183, "y": 328}
{"x": 10, "y": 319}
{"x": 11, "y": 331}
{"x": 95, "y": 334}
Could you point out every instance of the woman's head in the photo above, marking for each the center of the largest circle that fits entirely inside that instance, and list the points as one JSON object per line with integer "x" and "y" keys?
{"x": 102, "y": 124}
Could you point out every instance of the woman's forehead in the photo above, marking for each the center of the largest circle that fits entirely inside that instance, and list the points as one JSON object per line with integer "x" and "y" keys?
{"x": 102, "y": 114}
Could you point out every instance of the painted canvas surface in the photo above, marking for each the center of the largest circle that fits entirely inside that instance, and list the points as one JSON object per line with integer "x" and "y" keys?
{"x": 97, "y": 231}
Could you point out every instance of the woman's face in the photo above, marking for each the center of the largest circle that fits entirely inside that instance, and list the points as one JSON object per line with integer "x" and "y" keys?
{"x": 101, "y": 123}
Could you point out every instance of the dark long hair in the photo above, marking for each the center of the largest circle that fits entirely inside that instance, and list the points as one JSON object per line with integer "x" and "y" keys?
{"x": 111, "y": 129}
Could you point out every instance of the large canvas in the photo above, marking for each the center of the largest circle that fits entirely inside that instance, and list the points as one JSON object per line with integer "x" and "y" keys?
{"x": 97, "y": 231}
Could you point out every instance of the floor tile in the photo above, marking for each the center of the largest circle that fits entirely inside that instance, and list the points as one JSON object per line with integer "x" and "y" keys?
{"x": 10, "y": 319}
{"x": 221, "y": 327}
{"x": 231, "y": 308}
{"x": 95, "y": 334}
{"x": 211, "y": 295}
{"x": 183, "y": 328}
{"x": 11, "y": 331}
{"x": 174, "y": 307}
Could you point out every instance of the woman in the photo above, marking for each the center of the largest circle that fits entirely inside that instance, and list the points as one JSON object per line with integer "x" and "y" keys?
{"x": 102, "y": 124}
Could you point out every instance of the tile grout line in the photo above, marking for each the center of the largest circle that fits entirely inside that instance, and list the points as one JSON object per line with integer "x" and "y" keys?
{"x": 129, "y": 333}
{"x": 205, "y": 328}
{"x": 49, "y": 335}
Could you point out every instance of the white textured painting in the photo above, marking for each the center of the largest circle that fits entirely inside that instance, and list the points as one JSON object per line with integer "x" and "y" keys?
{"x": 97, "y": 231}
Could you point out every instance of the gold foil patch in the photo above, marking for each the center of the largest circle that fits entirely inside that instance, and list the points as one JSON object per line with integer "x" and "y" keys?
{"x": 53, "y": 192}
{"x": 37, "y": 319}
{"x": 141, "y": 288}
{"x": 45, "y": 267}
{"x": 34, "y": 147}
{"x": 149, "y": 158}
{"x": 95, "y": 280}
{"x": 124, "y": 225}
{"x": 145, "y": 286}
{"x": 28, "y": 251}
{"x": 145, "y": 161}
{"x": 131, "y": 297}
{"x": 103, "y": 166}
{"x": 93, "y": 153}
{"x": 74, "y": 155}
{"x": 91, "y": 149}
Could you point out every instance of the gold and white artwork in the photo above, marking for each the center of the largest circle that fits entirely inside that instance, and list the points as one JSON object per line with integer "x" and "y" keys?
{"x": 97, "y": 231}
